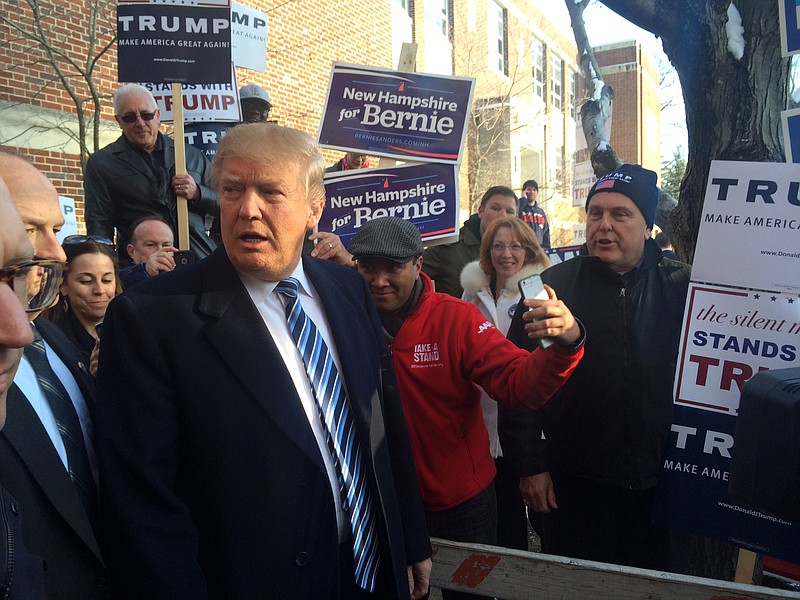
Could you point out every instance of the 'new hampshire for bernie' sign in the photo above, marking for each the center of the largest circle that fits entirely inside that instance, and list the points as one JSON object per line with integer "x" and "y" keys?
{"x": 406, "y": 116}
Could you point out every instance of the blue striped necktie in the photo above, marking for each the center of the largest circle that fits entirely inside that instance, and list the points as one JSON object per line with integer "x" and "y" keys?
{"x": 67, "y": 422}
{"x": 340, "y": 433}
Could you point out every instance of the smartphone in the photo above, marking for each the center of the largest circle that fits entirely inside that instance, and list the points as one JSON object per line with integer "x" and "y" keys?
{"x": 183, "y": 258}
{"x": 532, "y": 287}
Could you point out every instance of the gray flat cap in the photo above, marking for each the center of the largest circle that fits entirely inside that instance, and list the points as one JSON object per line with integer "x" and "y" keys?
{"x": 387, "y": 238}
{"x": 254, "y": 92}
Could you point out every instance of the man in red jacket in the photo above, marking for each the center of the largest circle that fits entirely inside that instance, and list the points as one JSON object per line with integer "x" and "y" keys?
{"x": 442, "y": 348}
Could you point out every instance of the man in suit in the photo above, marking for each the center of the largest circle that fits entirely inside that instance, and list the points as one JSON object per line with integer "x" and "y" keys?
{"x": 21, "y": 573}
{"x": 35, "y": 462}
{"x": 219, "y": 476}
{"x": 135, "y": 176}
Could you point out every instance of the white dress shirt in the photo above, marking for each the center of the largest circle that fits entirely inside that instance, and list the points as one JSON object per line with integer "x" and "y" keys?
{"x": 28, "y": 384}
{"x": 271, "y": 308}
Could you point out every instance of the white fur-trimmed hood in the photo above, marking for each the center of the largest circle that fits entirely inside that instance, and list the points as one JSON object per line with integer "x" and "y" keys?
{"x": 473, "y": 279}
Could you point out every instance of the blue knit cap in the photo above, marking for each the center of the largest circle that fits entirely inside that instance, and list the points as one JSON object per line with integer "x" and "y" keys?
{"x": 636, "y": 183}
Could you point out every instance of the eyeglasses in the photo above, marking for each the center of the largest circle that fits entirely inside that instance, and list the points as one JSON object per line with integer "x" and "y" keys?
{"x": 131, "y": 117}
{"x": 498, "y": 248}
{"x": 82, "y": 239}
{"x": 35, "y": 282}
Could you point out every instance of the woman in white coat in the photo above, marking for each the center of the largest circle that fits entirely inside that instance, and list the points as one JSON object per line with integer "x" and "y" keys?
{"x": 509, "y": 252}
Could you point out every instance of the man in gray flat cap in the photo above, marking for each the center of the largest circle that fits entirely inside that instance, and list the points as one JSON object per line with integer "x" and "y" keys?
{"x": 442, "y": 347}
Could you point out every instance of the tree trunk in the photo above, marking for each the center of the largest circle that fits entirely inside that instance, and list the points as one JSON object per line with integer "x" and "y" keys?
{"x": 732, "y": 106}
{"x": 733, "y": 111}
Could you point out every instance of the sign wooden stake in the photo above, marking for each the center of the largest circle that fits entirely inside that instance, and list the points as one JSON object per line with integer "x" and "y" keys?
{"x": 180, "y": 164}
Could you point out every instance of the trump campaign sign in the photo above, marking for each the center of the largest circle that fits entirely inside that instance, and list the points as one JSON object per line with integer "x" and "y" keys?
{"x": 178, "y": 41}
{"x": 742, "y": 316}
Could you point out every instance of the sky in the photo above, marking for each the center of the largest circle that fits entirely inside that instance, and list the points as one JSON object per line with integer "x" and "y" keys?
{"x": 604, "y": 26}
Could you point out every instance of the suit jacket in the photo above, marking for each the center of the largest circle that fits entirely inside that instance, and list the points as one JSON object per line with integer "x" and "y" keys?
{"x": 56, "y": 525}
{"x": 120, "y": 187}
{"x": 212, "y": 484}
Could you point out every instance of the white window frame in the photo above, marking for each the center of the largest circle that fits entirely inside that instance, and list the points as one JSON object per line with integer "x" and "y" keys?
{"x": 556, "y": 82}
{"x": 538, "y": 70}
{"x": 497, "y": 37}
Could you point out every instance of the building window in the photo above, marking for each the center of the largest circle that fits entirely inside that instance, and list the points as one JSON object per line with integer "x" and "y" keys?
{"x": 404, "y": 5}
{"x": 537, "y": 56}
{"x": 437, "y": 13}
{"x": 573, "y": 94}
{"x": 557, "y": 83}
{"x": 560, "y": 165}
{"x": 498, "y": 40}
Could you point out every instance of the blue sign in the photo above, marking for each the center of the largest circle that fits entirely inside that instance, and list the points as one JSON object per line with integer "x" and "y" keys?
{"x": 407, "y": 116}
{"x": 692, "y": 493}
{"x": 790, "y": 119}
{"x": 163, "y": 43}
{"x": 790, "y": 27}
{"x": 425, "y": 194}
{"x": 206, "y": 136}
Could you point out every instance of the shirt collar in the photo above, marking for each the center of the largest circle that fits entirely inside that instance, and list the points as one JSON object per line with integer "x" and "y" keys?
{"x": 260, "y": 287}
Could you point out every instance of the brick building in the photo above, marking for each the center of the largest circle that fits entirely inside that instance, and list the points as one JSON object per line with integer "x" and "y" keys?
{"x": 523, "y": 121}
{"x": 636, "y": 122}
{"x": 38, "y": 115}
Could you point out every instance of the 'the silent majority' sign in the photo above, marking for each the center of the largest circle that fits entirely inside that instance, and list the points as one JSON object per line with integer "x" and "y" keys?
{"x": 742, "y": 316}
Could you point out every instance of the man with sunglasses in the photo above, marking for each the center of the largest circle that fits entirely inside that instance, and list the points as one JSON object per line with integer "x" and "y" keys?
{"x": 44, "y": 446}
{"x": 135, "y": 176}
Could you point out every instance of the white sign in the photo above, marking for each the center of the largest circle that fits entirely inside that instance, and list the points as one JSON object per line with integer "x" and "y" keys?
{"x": 582, "y": 182}
{"x": 730, "y": 335}
{"x": 201, "y": 102}
{"x": 579, "y": 233}
{"x": 750, "y": 227}
{"x": 70, "y": 221}
{"x": 249, "y": 37}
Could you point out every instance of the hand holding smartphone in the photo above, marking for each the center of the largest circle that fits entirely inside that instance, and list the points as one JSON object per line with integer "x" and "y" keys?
{"x": 532, "y": 287}
{"x": 183, "y": 258}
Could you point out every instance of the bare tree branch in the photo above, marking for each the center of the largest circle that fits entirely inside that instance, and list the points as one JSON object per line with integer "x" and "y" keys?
{"x": 596, "y": 111}
{"x": 75, "y": 74}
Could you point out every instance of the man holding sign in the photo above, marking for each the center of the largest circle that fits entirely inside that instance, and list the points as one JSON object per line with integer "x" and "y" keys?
{"x": 135, "y": 176}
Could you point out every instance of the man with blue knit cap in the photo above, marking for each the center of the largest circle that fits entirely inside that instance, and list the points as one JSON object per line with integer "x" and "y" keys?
{"x": 593, "y": 473}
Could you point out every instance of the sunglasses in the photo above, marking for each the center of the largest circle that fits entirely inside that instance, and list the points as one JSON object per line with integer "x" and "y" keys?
{"x": 35, "y": 283}
{"x": 81, "y": 239}
{"x": 131, "y": 118}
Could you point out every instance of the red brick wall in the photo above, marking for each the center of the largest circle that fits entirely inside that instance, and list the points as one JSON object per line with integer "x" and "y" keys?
{"x": 63, "y": 170}
{"x": 304, "y": 38}
{"x": 635, "y": 81}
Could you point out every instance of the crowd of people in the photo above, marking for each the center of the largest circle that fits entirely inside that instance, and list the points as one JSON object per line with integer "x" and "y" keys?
{"x": 290, "y": 418}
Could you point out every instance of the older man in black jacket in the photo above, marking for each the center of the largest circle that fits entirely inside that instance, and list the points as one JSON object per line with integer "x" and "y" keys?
{"x": 594, "y": 475}
{"x": 135, "y": 176}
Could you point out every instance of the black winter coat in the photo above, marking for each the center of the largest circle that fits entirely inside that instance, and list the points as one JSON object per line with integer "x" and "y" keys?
{"x": 610, "y": 420}
{"x": 120, "y": 187}
{"x": 21, "y": 573}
